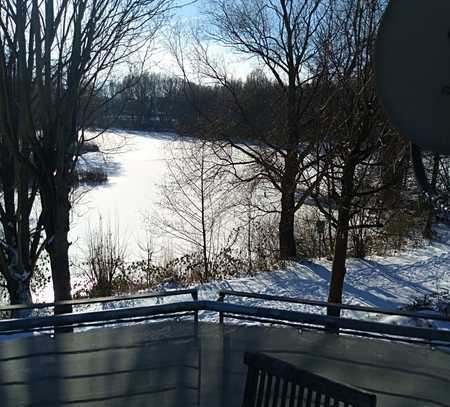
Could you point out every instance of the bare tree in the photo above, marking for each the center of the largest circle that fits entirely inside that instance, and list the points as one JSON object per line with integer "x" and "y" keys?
{"x": 21, "y": 227}
{"x": 196, "y": 202}
{"x": 439, "y": 184}
{"x": 278, "y": 139}
{"x": 66, "y": 53}
{"x": 365, "y": 156}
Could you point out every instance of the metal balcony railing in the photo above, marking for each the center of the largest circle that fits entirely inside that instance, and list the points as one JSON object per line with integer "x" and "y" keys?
{"x": 265, "y": 315}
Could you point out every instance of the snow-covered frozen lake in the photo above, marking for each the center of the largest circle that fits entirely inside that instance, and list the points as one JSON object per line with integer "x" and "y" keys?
{"x": 136, "y": 167}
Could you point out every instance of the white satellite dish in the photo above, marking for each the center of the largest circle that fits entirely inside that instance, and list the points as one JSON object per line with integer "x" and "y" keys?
{"x": 413, "y": 70}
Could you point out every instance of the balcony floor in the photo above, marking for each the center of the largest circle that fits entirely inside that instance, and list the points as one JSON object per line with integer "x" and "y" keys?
{"x": 177, "y": 364}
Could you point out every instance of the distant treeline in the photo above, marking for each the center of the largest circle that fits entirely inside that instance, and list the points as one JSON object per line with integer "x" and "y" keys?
{"x": 145, "y": 101}
{"x": 159, "y": 102}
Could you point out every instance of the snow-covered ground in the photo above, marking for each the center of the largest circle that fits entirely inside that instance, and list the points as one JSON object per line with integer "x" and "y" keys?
{"x": 383, "y": 282}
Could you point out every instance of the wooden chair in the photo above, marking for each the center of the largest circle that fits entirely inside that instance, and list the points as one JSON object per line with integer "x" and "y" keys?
{"x": 272, "y": 383}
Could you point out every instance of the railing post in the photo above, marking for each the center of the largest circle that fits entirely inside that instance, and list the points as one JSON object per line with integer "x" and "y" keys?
{"x": 221, "y": 299}
{"x": 194, "y": 294}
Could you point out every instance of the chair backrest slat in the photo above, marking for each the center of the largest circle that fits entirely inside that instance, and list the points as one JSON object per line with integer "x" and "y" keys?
{"x": 318, "y": 399}
{"x": 272, "y": 383}
{"x": 276, "y": 391}
{"x": 309, "y": 397}
{"x": 268, "y": 391}
{"x": 250, "y": 386}
{"x": 284, "y": 392}
{"x": 293, "y": 394}
{"x": 262, "y": 382}
{"x": 302, "y": 393}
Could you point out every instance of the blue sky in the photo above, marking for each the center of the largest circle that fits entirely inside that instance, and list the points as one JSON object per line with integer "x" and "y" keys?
{"x": 189, "y": 11}
{"x": 190, "y": 8}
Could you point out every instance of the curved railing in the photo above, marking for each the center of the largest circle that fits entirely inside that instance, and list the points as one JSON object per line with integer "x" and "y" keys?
{"x": 304, "y": 320}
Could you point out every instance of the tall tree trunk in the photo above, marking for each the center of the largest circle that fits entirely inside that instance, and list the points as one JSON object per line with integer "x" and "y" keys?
{"x": 58, "y": 251}
{"x": 15, "y": 262}
{"x": 56, "y": 208}
{"x": 19, "y": 294}
{"x": 338, "y": 269}
{"x": 203, "y": 209}
{"x": 249, "y": 240}
{"x": 288, "y": 248}
{"x": 428, "y": 229}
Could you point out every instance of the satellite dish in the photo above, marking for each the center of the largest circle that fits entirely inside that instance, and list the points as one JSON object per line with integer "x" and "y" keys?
{"x": 413, "y": 70}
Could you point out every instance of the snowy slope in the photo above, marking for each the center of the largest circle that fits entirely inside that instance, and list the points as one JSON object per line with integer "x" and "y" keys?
{"x": 391, "y": 282}
{"x": 383, "y": 282}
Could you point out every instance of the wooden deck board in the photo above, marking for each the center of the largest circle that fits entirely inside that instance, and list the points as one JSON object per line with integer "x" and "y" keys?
{"x": 176, "y": 364}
